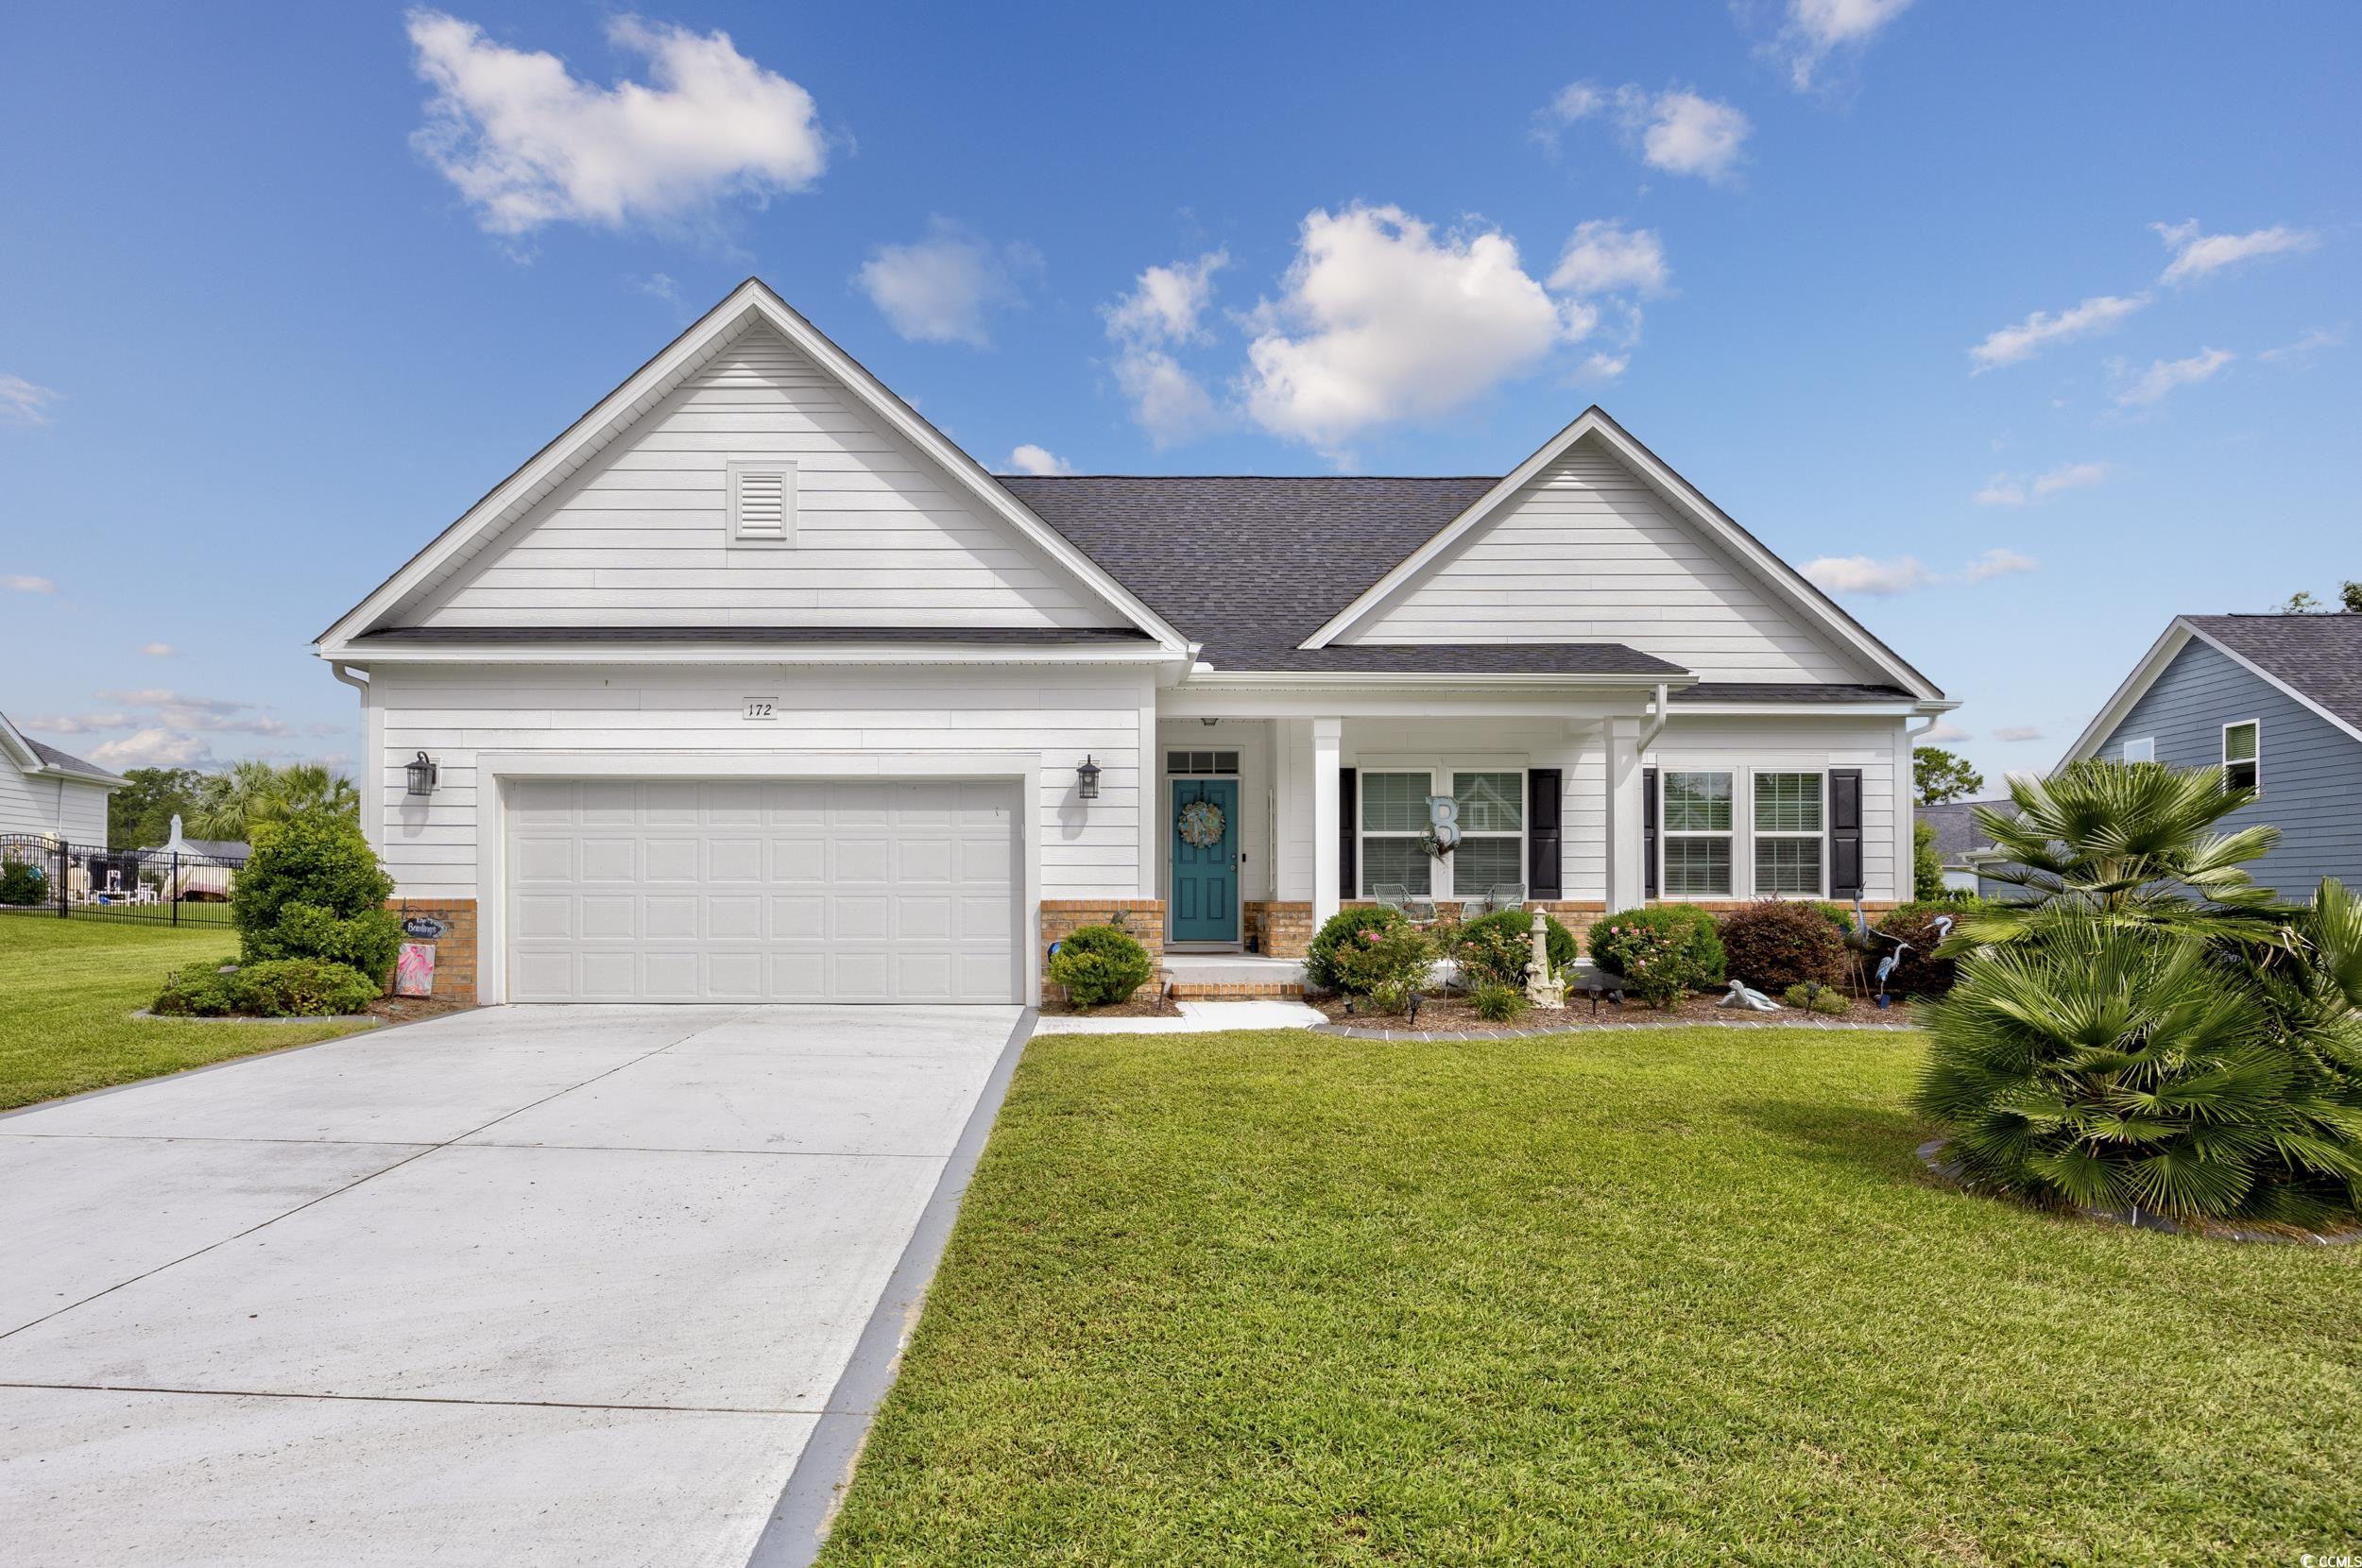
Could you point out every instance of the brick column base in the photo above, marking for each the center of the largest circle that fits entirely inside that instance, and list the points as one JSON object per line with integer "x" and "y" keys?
{"x": 455, "y": 950}
{"x": 1283, "y": 929}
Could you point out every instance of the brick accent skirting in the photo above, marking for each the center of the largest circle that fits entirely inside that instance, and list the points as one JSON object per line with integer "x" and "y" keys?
{"x": 455, "y": 949}
{"x": 1282, "y": 930}
{"x": 1144, "y": 918}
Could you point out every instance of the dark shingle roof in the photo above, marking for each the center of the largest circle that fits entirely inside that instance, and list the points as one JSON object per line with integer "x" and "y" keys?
{"x": 1789, "y": 691}
{"x": 1955, "y": 821}
{"x": 2320, "y": 655}
{"x": 1014, "y": 637}
{"x": 1251, "y": 567}
{"x": 52, "y": 757}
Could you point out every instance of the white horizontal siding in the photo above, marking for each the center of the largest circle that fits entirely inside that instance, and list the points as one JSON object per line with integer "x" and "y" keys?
{"x": 1588, "y": 552}
{"x": 454, "y": 715}
{"x": 639, "y": 537}
{"x": 32, "y": 803}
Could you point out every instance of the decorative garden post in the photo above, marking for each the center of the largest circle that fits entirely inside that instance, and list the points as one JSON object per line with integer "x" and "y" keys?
{"x": 1542, "y": 988}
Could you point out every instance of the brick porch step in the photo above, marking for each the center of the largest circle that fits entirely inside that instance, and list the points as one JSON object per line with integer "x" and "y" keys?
{"x": 1232, "y": 977}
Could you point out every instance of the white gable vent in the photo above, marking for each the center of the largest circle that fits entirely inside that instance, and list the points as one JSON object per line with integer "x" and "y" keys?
{"x": 762, "y": 504}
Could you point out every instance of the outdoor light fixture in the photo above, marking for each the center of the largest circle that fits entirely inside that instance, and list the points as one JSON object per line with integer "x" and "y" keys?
{"x": 1087, "y": 775}
{"x": 421, "y": 773}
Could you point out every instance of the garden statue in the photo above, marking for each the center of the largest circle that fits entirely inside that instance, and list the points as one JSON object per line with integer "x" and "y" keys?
{"x": 1542, "y": 988}
{"x": 1741, "y": 995}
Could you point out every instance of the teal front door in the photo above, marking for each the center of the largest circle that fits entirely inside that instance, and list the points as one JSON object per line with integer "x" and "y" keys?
{"x": 1205, "y": 860}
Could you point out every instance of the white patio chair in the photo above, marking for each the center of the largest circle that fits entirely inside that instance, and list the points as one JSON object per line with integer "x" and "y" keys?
{"x": 1398, "y": 895}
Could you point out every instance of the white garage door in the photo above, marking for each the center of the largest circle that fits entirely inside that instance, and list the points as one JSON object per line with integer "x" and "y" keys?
{"x": 788, "y": 890}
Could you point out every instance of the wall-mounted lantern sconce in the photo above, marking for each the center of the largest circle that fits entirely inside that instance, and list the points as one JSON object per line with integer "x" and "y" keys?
{"x": 1087, "y": 776}
{"x": 421, "y": 773}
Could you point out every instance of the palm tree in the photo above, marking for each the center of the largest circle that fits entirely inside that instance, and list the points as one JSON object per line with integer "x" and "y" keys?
{"x": 253, "y": 795}
{"x": 2134, "y": 842}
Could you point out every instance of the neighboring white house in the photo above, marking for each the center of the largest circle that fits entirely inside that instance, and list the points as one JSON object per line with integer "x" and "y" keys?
{"x": 752, "y": 685}
{"x": 44, "y": 791}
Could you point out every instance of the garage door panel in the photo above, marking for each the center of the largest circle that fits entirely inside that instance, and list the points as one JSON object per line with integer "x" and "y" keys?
{"x": 764, "y": 890}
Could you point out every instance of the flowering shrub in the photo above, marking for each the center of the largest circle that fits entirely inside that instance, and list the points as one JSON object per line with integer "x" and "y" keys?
{"x": 1360, "y": 951}
{"x": 1499, "y": 947}
{"x": 1661, "y": 952}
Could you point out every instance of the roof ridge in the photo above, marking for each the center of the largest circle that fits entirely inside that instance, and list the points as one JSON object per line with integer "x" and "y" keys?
{"x": 1265, "y": 478}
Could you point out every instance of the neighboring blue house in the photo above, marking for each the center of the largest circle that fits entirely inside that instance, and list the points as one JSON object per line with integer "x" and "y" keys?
{"x": 2276, "y": 700}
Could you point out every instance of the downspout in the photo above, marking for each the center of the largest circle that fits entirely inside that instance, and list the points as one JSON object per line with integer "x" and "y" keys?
{"x": 1660, "y": 710}
{"x": 372, "y": 769}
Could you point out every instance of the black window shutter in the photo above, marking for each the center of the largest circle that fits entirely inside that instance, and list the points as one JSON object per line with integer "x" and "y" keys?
{"x": 1845, "y": 832}
{"x": 1543, "y": 800}
{"x": 1348, "y": 816}
{"x": 1648, "y": 832}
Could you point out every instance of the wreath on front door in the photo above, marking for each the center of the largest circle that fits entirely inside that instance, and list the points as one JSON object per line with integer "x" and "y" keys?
{"x": 1201, "y": 825}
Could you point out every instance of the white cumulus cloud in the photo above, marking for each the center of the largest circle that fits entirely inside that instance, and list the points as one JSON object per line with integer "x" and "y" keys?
{"x": 154, "y": 748}
{"x": 1029, "y": 458}
{"x": 2005, "y": 490}
{"x": 1383, "y": 319}
{"x": 2165, "y": 375}
{"x": 1604, "y": 257}
{"x": 26, "y": 583}
{"x": 2017, "y": 732}
{"x": 24, "y": 402}
{"x": 2197, "y": 254}
{"x": 1677, "y": 130}
{"x": 2305, "y": 348}
{"x": 2022, "y": 340}
{"x": 1165, "y": 309}
{"x": 1944, "y": 730}
{"x": 528, "y": 144}
{"x": 159, "y": 650}
{"x": 2000, "y": 562}
{"x": 938, "y": 289}
{"x": 1864, "y": 575}
{"x": 1816, "y": 29}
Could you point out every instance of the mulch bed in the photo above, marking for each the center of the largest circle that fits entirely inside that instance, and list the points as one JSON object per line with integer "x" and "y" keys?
{"x": 409, "y": 1010}
{"x": 1147, "y": 1003}
{"x": 1448, "y": 1014}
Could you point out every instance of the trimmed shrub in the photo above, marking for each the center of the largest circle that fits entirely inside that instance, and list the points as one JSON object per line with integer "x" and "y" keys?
{"x": 299, "y": 987}
{"x": 1920, "y": 973}
{"x": 22, "y": 884}
{"x": 1813, "y": 997}
{"x": 1360, "y": 949}
{"x": 193, "y": 994}
{"x": 1497, "y": 1003}
{"x": 1773, "y": 945}
{"x": 1661, "y": 951}
{"x": 1100, "y": 965}
{"x": 1499, "y": 947}
{"x": 314, "y": 888}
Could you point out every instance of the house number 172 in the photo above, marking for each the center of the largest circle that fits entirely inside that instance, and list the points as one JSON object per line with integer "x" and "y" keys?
{"x": 760, "y": 707}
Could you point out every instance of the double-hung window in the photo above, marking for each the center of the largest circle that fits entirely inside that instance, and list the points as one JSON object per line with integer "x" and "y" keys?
{"x": 1394, "y": 832}
{"x": 2242, "y": 756}
{"x": 1492, "y": 831}
{"x": 1788, "y": 824}
{"x": 1694, "y": 825}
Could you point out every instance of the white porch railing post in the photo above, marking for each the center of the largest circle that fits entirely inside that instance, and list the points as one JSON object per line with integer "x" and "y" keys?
{"x": 1626, "y": 883}
{"x": 1326, "y": 737}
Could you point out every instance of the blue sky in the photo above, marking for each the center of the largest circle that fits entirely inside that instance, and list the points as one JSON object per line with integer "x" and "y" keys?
{"x": 2032, "y": 325}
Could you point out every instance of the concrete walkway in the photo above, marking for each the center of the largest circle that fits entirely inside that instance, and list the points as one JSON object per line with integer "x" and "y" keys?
{"x": 565, "y": 1285}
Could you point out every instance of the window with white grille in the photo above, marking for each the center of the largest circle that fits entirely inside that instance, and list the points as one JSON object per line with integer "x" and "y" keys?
{"x": 762, "y": 504}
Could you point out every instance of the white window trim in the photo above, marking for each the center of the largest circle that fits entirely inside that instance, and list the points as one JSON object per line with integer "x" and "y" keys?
{"x": 1665, "y": 834}
{"x": 786, "y": 470}
{"x": 2256, "y": 761}
{"x": 2147, "y": 741}
{"x": 1820, "y": 835}
{"x": 1524, "y": 859}
{"x": 1362, "y": 834}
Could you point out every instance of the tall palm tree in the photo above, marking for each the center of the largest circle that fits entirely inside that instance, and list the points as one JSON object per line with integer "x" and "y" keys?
{"x": 2133, "y": 842}
{"x": 253, "y": 795}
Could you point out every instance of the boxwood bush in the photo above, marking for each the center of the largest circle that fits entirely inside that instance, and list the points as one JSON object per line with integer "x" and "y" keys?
{"x": 314, "y": 888}
{"x": 1498, "y": 947}
{"x": 22, "y": 884}
{"x": 1100, "y": 965}
{"x": 1660, "y": 952}
{"x": 1363, "y": 950}
{"x": 1773, "y": 945}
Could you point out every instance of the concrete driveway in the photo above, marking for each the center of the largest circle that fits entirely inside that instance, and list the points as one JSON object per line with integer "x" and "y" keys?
{"x": 568, "y": 1285}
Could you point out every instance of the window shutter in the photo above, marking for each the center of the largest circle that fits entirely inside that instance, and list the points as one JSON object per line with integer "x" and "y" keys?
{"x": 1845, "y": 833}
{"x": 1648, "y": 832}
{"x": 1348, "y": 821}
{"x": 1543, "y": 801}
{"x": 762, "y": 504}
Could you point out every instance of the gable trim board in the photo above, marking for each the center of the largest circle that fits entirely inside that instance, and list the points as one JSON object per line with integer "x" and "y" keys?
{"x": 1820, "y": 611}
{"x": 750, "y": 303}
{"x": 48, "y": 762}
{"x": 2155, "y": 663}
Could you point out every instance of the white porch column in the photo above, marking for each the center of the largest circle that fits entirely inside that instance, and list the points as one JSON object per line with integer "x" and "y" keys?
{"x": 1627, "y": 880}
{"x": 1328, "y": 734}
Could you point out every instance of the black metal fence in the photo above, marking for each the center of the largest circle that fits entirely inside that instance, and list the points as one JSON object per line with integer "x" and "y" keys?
{"x": 73, "y": 881}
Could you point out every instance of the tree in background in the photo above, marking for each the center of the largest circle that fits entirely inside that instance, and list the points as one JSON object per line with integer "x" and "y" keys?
{"x": 254, "y": 794}
{"x": 139, "y": 815}
{"x": 2302, "y": 603}
{"x": 1926, "y": 865}
{"x": 1943, "y": 775}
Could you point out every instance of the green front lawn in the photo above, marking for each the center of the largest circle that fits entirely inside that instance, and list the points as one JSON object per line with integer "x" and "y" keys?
{"x": 1680, "y": 1296}
{"x": 67, "y": 990}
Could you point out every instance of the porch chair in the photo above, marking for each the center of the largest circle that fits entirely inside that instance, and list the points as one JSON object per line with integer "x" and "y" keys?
{"x": 1397, "y": 896}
